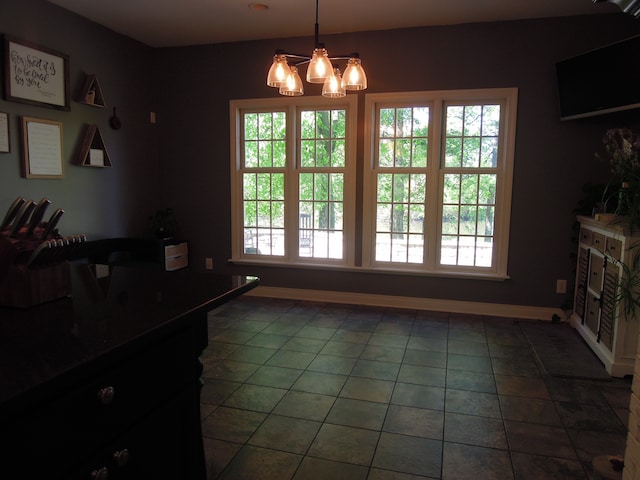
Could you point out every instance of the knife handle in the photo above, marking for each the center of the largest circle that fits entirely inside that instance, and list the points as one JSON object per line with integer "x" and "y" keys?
{"x": 36, "y": 216}
{"x": 11, "y": 213}
{"x": 51, "y": 224}
{"x": 21, "y": 218}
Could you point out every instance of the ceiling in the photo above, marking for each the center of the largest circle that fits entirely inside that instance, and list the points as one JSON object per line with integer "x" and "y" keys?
{"x": 162, "y": 23}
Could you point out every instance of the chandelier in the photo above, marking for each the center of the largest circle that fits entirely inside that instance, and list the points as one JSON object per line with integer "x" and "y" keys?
{"x": 283, "y": 73}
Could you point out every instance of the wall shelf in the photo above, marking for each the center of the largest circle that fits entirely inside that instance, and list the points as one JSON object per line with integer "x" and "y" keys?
{"x": 93, "y": 152}
{"x": 91, "y": 93}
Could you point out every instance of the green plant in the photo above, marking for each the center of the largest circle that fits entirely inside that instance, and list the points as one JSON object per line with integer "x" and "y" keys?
{"x": 627, "y": 286}
{"x": 162, "y": 223}
{"x": 622, "y": 152}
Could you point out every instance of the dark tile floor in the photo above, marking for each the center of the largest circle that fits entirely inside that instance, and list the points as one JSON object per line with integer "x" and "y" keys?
{"x": 306, "y": 390}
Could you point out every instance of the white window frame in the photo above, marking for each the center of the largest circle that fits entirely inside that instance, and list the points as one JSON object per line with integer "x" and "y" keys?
{"x": 292, "y": 107}
{"x": 507, "y": 97}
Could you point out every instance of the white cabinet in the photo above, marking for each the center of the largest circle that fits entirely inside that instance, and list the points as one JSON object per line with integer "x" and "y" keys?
{"x": 176, "y": 256}
{"x": 596, "y": 315}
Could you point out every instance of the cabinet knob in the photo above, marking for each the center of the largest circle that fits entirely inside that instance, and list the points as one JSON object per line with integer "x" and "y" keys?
{"x": 106, "y": 394}
{"x": 121, "y": 457}
{"x": 100, "y": 474}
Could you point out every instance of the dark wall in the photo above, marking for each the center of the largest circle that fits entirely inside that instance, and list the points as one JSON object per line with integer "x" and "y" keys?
{"x": 183, "y": 161}
{"x": 98, "y": 202}
{"x": 553, "y": 158}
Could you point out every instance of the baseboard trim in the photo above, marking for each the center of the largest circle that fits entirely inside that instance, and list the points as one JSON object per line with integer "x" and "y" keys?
{"x": 392, "y": 301}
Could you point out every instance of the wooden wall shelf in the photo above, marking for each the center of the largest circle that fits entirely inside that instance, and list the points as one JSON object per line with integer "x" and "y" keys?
{"x": 91, "y": 93}
{"x": 93, "y": 152}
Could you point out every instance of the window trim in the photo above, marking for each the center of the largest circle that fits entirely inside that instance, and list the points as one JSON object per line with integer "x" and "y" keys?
{"x": 435, "y": 175}
{"x": 292, "y": 107}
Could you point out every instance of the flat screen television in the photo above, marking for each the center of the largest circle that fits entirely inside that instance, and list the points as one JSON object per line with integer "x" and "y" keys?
{"x": 600, "y": 81}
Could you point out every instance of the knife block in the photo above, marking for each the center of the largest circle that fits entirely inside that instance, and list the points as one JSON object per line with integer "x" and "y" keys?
{"x": 25, "y": 287}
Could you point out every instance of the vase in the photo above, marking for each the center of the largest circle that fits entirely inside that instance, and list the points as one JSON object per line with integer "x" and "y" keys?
{"x": 624, "y": 199}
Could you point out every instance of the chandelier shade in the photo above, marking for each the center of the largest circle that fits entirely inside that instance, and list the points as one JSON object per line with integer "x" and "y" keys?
{"x": 319, "y": 67}
{"x": 332, "y": 87}
{"x": 292, "y": 86}
{"x": 283, "y": 73}
{"x": 278, "y": 71}
{"x": 354, "y": 77}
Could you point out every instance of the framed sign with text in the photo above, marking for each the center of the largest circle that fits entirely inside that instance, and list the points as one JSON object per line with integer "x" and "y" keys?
{"x": 36, "y": 75}
{"x": 42, "y": 148}
{"x": 4, "y": 132}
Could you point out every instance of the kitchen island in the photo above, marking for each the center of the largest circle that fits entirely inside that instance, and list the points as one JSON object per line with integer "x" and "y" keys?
{"x": 106, "y": 383}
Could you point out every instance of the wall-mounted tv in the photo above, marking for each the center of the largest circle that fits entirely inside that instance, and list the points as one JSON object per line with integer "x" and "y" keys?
{"x": 600, "y": 81}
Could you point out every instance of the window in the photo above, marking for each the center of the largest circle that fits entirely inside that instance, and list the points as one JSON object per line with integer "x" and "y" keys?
{"x": 436, "y": 191}
{"x": 438, "y": 181}
{"x": 293, "y": 172}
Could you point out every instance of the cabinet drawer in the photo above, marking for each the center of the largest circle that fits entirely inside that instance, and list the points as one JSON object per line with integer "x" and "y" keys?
{"x": 178, "y": 250}
{"x": 175, "y": 263}
{"x": 596, "y": 270}
{"x": 142, "y": 452}
{"x": 69, "y": 428}
{"x": 593, "y": 313}
{"x": 614, "y": 248}
{"x": 598, "y": 241}
{"x": 586, "y": 236}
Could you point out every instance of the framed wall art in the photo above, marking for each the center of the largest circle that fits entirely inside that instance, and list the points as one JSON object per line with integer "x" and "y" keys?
{"x": 4, "y": 133}
{"x": 35, "y": 75}
{"x": 42, "y": 148}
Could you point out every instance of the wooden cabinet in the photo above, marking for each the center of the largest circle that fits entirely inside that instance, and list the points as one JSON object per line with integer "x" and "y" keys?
{"x": 599, "y": 318}
{"x": 106, "y": 383}
{"x": 134, "y": 418}
{"x": 176, "y": 255}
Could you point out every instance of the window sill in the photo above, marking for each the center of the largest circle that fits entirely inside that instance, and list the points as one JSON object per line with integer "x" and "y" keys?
{"x": 375, "y": 270}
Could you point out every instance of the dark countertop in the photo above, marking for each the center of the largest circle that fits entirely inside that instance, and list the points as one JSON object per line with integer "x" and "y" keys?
{"x": 106, "y": 316}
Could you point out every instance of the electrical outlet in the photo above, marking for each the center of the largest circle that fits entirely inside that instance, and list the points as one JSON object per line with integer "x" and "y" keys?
{"x": 561, "y": 286}
{"x": 208, "y": 263}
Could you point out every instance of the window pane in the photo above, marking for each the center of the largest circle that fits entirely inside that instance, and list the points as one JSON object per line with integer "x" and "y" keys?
{"x": 471, "y": 140}
{"x": 386, "y": 121}
{"x": 306, "y": 186}
{"x": 265, "y": 154}
{"x": 249, "y": 186}
{"x": 279, "y": 153}
{"x": 403, "y": 153}
{"x": 451, "y": 188}
{"x": 321, "y": 221}
{"x": 251, "y": 154}
{"x": 472, "y": 120}
{"x": 402, "y": 150}
{"x": 338, "y": 155}
{"x": 487, "y": 189}
{"x": 449, "y": 250}
{"x": 308, "y": 153}
{"x": 469, "y": 189}
{"x": 471, "y": 152}
{"x": 489, "y": 152}
{"x": 419, "y": 153}
{"x": 263, "y": 213}
{"x": 453, "y": 152}
{"x": 490, "y": 120}
{"x": 418, "y": 188}
{"x": 403, "y": 137}
{"x": 454, "y": 121}
{"x": 420, "y": 121}
{"x": 385, "y": 153}
{"x": 265, "y": 125}
{"x": 450, "y": 218}
{"x": 416, "y": 217}
{"x": 251, "y": 126}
